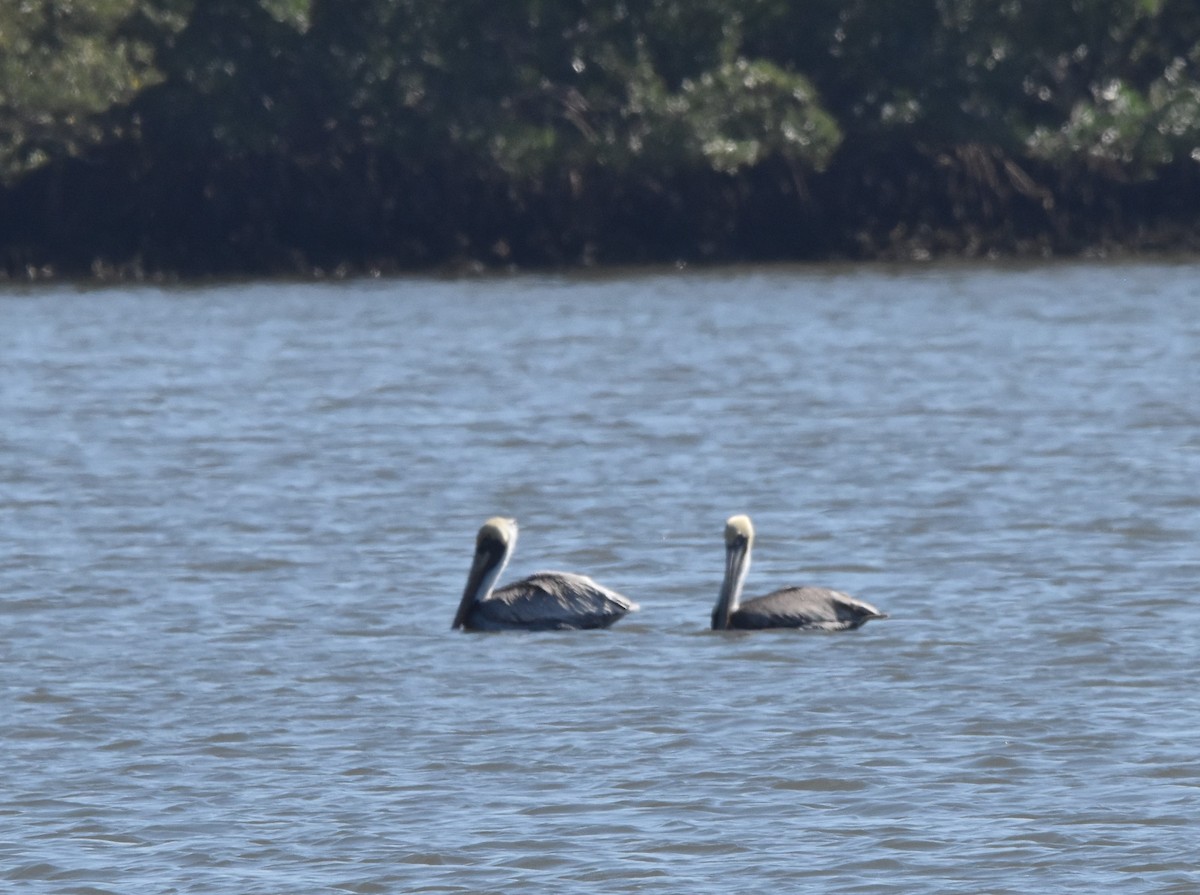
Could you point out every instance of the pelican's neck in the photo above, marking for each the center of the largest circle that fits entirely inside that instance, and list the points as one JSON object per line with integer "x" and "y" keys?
{"x": 491, "y": 556}
{"x": 737, "y": 564}
{"x": 493, "y": 566}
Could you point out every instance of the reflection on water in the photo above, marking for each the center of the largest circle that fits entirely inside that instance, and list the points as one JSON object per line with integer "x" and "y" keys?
{"x": 237, "y": 521}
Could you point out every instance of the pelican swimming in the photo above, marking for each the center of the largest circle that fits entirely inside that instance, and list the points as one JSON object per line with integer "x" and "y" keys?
{"x": 544, "y": 601}
{"x": 817, "y": 608}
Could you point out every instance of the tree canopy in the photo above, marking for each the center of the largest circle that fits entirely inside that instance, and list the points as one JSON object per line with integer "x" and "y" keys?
{"x": 257, "y": 136}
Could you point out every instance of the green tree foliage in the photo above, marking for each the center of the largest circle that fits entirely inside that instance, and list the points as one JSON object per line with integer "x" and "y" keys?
{"x": 230, "y": 80}
{"x": 733, "y": 117}
{"x": 1013, "y": 74}
{"x": 1140, "y": 111}
{"x": 62, "y": 64}
{"x": 533, "y": 86}
{"x": 417, "y": 130}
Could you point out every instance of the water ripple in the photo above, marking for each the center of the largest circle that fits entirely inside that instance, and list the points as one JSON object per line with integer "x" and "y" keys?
{"x": 237, "y": 520}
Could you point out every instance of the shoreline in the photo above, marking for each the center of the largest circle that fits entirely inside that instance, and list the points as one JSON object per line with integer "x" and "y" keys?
{"x": 910, "y": 256}
{"x": 907, "y": 252}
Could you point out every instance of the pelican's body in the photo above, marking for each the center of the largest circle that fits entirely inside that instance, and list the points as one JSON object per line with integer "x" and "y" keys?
{"x": 545, "y": 601}
{"x": 816, "y": 608}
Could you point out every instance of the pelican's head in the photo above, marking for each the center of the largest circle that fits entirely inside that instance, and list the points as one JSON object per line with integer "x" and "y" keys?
{"x": 497, "y": 530}
{"x": 738, "y": 531}
{"x": 493, "y": 546}
{"x": 739, "y": 536}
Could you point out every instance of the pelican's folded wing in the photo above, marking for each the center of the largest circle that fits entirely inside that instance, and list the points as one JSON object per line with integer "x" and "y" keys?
{"x": 555, "y": 601}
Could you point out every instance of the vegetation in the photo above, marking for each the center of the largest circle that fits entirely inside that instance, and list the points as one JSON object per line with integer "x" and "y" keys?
{"x": 263, "y": 136}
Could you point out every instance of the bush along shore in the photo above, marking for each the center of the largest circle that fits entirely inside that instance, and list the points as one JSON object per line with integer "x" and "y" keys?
{"x": 166, "y": 138}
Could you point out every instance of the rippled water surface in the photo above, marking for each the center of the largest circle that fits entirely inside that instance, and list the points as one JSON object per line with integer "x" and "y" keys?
{"x": 236, "y": 522}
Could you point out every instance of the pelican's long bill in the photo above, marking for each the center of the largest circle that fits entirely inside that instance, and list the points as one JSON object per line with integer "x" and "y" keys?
{"x": 493, "y": 546}
{"x": 739, "y": 536}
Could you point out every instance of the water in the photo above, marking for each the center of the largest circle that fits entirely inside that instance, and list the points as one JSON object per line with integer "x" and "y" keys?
{"x": 237, "y": 520}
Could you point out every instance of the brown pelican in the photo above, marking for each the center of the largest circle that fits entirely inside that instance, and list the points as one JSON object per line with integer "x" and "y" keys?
{"x": 545, "y": 601}
{"x": 817, "y": 608}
